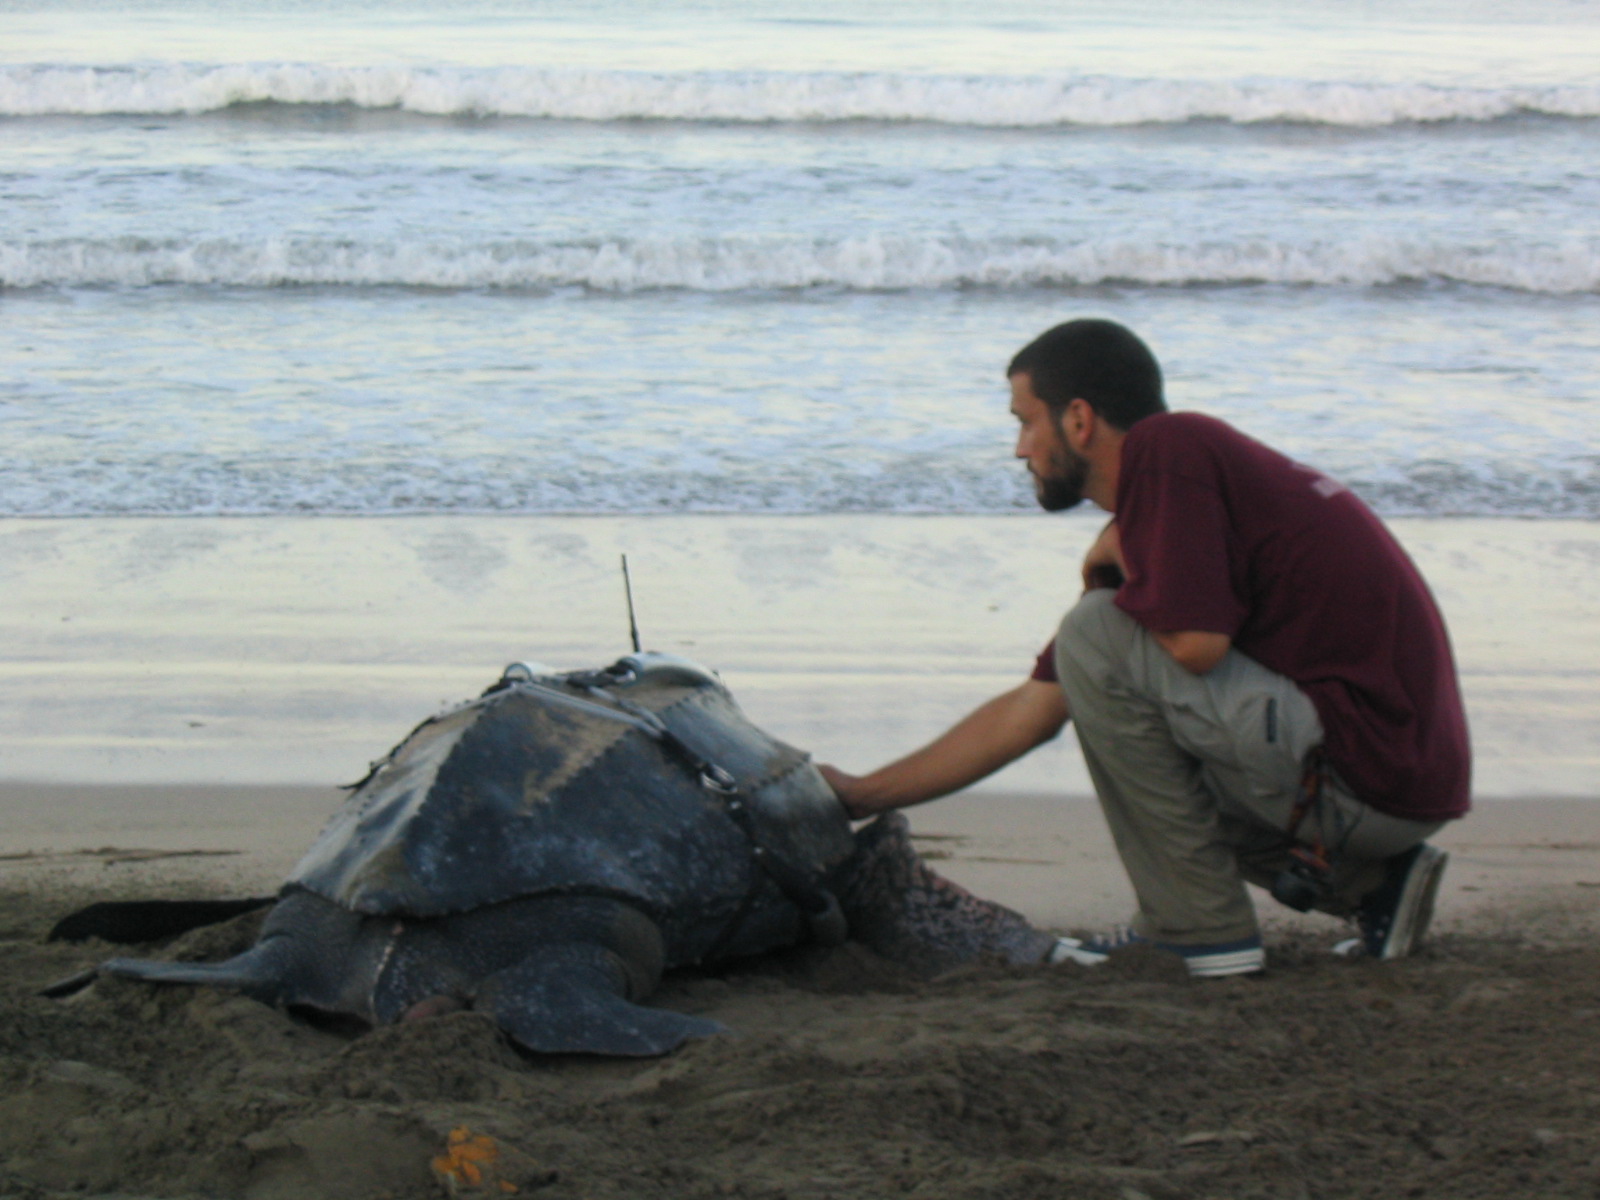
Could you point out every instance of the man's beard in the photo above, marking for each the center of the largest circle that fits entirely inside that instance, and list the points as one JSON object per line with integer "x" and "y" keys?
{"x": 1063, "y": 487}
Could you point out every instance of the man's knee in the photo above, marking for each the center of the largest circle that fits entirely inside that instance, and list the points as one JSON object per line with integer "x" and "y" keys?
{"x": 1093, "y": 629}
{"x": 1093, "y": 648}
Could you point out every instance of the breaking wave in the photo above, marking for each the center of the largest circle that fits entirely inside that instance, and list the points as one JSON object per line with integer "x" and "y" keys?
{"x": 765, "y": 96}
{"x": 195, "y": 486}
{"x": 775, "y": 263}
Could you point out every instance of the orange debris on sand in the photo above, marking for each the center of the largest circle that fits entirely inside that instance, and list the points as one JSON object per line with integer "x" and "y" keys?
{"x": 468, "y": 1162}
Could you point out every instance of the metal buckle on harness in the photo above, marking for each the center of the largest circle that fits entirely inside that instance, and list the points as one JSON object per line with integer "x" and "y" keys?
{"x": 717, "y": 779}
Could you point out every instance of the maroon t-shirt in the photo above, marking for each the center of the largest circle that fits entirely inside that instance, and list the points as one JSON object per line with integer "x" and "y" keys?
{"x": 1221, "y": 534}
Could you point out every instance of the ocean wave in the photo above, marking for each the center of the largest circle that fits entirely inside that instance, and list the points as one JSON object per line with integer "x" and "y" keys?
{"x": 778, "y": 263}
{"x": 169, "y": 485}
{"x": 765, "y": 96}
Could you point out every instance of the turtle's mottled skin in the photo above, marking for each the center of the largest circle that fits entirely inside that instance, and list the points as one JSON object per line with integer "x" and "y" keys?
{"x": 545, "y": 851}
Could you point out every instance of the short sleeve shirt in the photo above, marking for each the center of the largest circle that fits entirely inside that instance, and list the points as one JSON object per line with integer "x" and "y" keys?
{"x": 1222, "y": 534}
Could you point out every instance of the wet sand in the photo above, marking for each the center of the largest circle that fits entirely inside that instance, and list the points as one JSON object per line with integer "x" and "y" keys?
{"x": 281, "y": 650}
{"x": 1047, "y": 856}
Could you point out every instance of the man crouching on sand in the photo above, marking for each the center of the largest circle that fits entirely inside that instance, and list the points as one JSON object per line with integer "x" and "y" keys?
{"x": 1261, "y": 682}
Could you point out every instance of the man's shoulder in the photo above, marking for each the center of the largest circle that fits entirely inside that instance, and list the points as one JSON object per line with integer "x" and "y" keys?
{"x": 1184, "y": 428}
{"x": 1188, "y": 441}
{"x": 1191, "y": 450}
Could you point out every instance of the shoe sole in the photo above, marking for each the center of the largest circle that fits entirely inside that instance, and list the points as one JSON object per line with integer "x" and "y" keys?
{"x": 1248, "y": 961}
{"x": 1248, "y": 958}
{"x": 1414, "y": 911}
{"x": 1070, "y": 950}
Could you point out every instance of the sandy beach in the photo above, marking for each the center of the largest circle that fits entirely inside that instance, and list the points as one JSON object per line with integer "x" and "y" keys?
{"x": 181, "y": 697}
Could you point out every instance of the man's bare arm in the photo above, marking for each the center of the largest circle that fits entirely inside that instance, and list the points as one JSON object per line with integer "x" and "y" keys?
{"x": 1195, "y": 650}
{"x": 995, "y": 733}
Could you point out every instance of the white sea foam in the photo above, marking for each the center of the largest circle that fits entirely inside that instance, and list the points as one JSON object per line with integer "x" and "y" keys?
{"x": 767, "y": 96}
{"x": 776, "y": 263}
{"x": 201, "y": 487}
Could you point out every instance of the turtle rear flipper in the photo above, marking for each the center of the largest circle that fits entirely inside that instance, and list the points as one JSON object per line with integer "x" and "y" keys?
{"x": 259, "y": 972}
{"x": 131, "y": 921}
{"x": 572, "y": 998}
{"x": 312, "y": 953}
{"x": 254, "y": 973}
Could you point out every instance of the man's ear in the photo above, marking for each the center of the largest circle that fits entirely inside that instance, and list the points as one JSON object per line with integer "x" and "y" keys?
{"x": 1078, "y": 422}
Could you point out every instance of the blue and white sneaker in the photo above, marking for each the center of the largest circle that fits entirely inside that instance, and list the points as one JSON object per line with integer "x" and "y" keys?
{"x": 1395, "y": 918}
{"x": 1207, "y": 960}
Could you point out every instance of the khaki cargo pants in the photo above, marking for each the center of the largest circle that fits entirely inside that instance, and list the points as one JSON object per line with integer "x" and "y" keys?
{"x": 1198, "y": 776}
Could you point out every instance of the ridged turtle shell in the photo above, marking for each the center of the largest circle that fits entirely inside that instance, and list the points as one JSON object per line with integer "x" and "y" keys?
{"x": 536, "y": 788}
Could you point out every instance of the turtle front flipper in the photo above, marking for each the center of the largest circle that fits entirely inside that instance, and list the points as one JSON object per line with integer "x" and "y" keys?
{"x": 903, "y": 910}
{"x": 574, "y": 998}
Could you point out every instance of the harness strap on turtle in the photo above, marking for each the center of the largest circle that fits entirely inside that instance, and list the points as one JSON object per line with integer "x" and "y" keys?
{"x": 800, "y": 887}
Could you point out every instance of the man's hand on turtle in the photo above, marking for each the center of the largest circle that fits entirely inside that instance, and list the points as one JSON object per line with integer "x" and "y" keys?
{"x": 849, "y": 789}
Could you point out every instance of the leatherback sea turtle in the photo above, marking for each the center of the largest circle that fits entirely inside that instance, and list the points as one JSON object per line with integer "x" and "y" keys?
{"x": 545, "y": 851}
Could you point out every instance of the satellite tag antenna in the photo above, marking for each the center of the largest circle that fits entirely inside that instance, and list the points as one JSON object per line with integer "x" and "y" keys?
{"x": 627, "y": 588}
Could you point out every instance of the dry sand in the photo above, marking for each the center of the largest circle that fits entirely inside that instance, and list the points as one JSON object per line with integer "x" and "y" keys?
{"x": 154, "y": 675}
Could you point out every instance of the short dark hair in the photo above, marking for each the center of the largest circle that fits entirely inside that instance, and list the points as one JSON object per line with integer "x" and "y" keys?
{"x": 1095, "y": 360}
